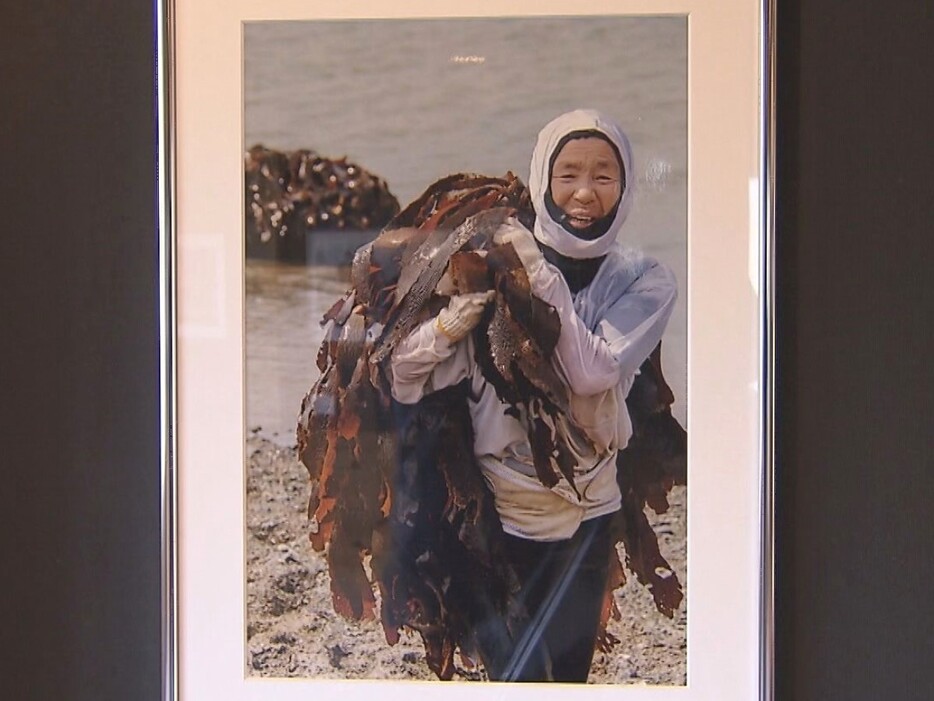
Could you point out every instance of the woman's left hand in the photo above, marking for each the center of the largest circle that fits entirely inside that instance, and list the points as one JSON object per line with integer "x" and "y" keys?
{"x": 524, "y": 245}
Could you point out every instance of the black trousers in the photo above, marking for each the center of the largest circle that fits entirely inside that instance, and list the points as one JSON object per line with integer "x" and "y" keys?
{"x": 562, "y": 588}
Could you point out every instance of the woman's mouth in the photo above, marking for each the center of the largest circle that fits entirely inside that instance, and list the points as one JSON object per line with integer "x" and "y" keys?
{"x": 579, "y": 220}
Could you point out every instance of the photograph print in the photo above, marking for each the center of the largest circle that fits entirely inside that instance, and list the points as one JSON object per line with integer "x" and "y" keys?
{"x": 466, "y": 292}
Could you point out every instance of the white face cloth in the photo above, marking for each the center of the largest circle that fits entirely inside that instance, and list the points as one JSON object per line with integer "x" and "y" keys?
{"x": 547, "y": 230}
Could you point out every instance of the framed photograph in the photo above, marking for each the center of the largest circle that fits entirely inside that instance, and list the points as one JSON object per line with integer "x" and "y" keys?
{"x": 468, "y": 323}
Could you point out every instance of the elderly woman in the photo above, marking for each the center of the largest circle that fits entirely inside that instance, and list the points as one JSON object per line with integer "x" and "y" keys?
{"x": 613, "y": 304}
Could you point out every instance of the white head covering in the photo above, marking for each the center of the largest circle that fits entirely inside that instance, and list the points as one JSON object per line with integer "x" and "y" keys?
{"x": 547, "y": 230}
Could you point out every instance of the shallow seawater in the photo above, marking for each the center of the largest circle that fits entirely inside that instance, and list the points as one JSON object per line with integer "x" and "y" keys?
{"x": 284, "y": 306}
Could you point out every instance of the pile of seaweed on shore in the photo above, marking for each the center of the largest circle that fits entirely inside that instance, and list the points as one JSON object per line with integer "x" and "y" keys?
{"x": 290, "y": 194}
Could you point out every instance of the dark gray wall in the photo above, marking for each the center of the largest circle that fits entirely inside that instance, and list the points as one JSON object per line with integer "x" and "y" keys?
{"x": 80, "y": 489}
{"x": 79, "y": 492}
{"x": 856, "y": 474}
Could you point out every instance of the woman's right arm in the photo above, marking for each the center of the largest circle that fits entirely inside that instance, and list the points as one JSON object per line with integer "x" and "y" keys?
{"x": 427, "y": 360}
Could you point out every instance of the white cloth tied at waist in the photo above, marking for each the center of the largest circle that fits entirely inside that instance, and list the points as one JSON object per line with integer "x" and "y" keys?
{"x": 530, "y": 510}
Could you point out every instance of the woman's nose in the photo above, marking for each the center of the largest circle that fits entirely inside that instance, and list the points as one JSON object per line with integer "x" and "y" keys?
{"x": 584, "y": 192}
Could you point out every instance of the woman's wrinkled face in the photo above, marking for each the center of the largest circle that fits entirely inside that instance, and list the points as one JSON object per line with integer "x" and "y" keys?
{"x": 586, "y": 181}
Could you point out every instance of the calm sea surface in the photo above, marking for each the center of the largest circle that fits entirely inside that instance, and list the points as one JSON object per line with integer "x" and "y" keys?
{"x": 414, "y": 100}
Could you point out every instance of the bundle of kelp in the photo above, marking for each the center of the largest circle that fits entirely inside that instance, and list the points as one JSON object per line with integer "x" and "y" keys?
{"x": 400, "y": 483}
{"x": 292, "y": 193}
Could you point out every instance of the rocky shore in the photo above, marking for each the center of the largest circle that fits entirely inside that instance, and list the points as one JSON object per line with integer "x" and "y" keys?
{"x": 292, "y": 630}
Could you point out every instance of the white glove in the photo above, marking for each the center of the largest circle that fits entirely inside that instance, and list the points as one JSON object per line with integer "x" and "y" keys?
{"x": 525, "y": 245}
{"x": 462, "y": 314}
